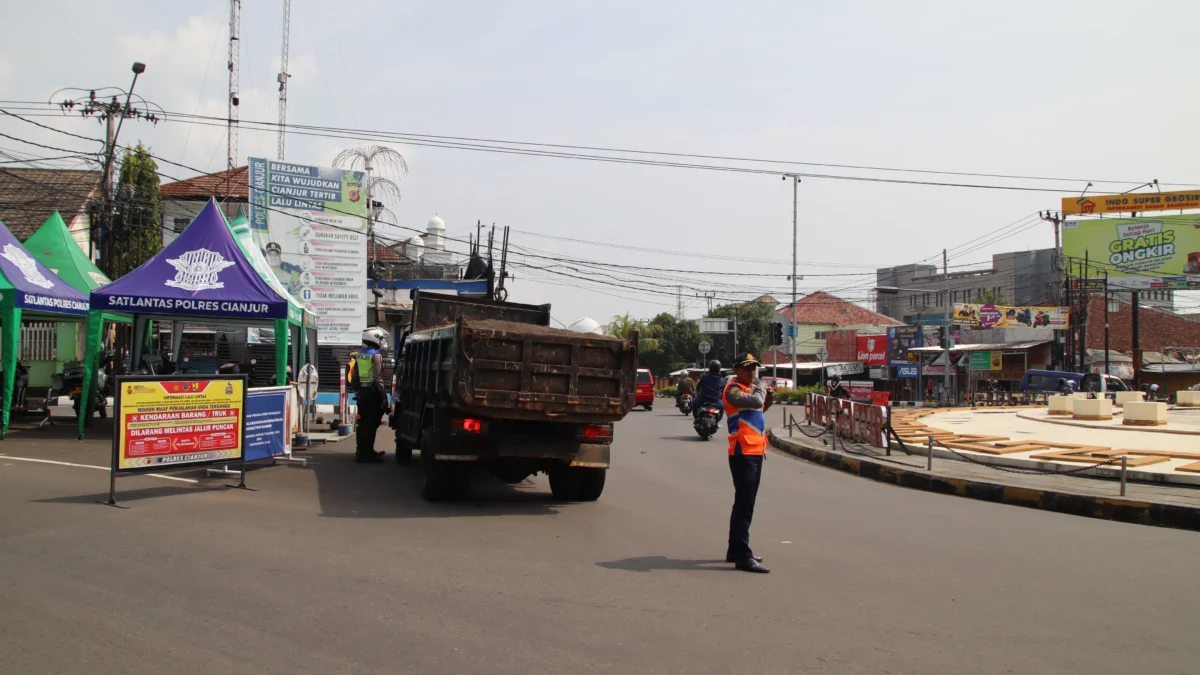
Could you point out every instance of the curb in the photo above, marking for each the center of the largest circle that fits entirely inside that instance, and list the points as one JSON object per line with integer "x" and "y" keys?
{"x": 1121, "y": 509}
{"x": 1119, "y": 427}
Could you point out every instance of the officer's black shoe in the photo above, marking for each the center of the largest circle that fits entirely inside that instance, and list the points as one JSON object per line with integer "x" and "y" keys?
{"x": 752, "y": 565}
{"x": 729, "y": 558}
{"x": 368, "y": 459}
{"x": 380, "y": 453}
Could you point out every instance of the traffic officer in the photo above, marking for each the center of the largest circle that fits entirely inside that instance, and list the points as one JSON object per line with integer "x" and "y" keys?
{"x": 368, "y": 372}
{"x": 746, "y": 399}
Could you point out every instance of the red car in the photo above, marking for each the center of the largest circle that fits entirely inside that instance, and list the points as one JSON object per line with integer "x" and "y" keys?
{"x": 645, "y": 389}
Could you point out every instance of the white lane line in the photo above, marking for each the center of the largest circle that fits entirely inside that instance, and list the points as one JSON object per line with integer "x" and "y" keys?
{"x": 93, "y": 466}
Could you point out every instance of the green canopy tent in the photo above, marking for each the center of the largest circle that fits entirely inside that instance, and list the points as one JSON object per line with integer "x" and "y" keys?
{"x": 202, "y": 275}
{"x": 53, "y": 246}
{"x": 28, "y": 290}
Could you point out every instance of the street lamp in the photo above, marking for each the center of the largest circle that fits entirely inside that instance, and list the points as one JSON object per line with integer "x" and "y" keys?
{"x": 893, "y": 290}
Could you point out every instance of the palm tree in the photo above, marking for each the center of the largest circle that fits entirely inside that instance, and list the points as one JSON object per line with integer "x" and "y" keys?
{"x": 624, "y": 327}
{"x": 390, "y": 163}
{"x": 990, "y": 297}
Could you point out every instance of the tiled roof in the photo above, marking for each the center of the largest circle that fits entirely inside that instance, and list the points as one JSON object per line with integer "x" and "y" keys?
{"x": 385, "y": 253}
{"x": 232, "y": 182}
{"x": 29, "y": 196}
{"x": 822, "y": 308}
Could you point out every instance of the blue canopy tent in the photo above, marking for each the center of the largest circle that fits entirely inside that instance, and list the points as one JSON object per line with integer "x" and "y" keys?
{"x": 204, "y": 275}
{"x": 28, "y": 289}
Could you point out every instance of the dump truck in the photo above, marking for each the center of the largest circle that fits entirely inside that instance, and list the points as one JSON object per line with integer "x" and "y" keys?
{"x": 489, "y": 385}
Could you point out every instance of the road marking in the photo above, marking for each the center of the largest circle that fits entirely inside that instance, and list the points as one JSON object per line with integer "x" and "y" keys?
{"x": 93, "y": 466}
{"x": 785, "y": 542}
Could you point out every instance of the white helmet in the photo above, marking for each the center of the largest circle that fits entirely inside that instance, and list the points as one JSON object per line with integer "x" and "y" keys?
{"x": 375, "y": 336}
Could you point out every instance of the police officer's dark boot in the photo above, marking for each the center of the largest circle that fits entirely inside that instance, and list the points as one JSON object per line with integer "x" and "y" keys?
{"x": 752, "y": 565}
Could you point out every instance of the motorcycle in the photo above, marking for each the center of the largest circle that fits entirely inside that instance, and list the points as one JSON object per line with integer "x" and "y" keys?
{"x": 685, "y": 404}
{"x": 708, "y": 419}
{"x": 72, "y": 380}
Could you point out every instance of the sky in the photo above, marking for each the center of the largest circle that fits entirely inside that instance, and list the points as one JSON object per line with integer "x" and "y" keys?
{"x": 1081, "y": 90}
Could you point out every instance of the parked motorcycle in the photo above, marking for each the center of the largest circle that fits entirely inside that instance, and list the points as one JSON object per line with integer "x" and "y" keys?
{"x": 707, "y": 420}
{"x": 72, "y": 381}
{"x": 685, "y": 404}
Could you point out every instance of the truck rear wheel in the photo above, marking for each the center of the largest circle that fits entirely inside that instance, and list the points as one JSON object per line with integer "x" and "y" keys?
{"x": 577, "y": 483}
{"x": 441, "y": 479}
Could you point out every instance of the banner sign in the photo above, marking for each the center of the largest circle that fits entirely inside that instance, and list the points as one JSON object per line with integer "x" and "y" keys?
{"x": 860, "y": 422}
{"x": 878, "y": 373}
{"x": 1161, "y": 252}
{"x": 168, "y": 421}
{"x": 907, "y": 372}
{"x": 1153, "y": 201}
{"x": 986, "y": 360}
{"x": 1000, "y": 316}
{"x": 840, "y": 369}
{"x": 900, "y": 340}
{"x": 872, "y": 350}
{"x": 310, "y": 223}
{"x": 842, "y": 345}
{"x": 861, "y": 391}
{"x": 268, "y": 423}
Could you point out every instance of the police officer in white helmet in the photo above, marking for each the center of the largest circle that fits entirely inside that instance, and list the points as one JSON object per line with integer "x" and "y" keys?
{"x": 372, "y": 400}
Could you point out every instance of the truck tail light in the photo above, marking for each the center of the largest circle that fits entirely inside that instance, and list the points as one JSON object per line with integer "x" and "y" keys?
{"x": 594, "y": 432}
{"x": 467, "y": 424}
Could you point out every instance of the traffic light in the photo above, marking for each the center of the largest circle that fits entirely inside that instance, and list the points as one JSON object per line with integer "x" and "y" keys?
{"x": 943, "y": 340}
{"x": 776, "y": 334}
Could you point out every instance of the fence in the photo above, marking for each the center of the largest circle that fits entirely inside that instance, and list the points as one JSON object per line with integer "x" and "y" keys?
{"x": 860, "y": 422}
{"x": 39, "y": 341}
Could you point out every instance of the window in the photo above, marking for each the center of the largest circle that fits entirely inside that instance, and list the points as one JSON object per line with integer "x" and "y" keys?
{"x": 180, "y": 224}
{"x": 819, "y": 335}
{"x": 643, "y": 376}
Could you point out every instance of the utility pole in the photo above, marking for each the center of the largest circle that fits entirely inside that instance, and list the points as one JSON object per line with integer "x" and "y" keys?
{"x": 283, "y": 74}
{"x": 795, "y": 244}
{"x": 679, "y": 303}
{"x": 1136, "y": 343}
{"x": 1104, "y": 379}
{"x": 1056, "y": 219}
{"x": 1085, "y": 299}
{"x": 946, "y": 315}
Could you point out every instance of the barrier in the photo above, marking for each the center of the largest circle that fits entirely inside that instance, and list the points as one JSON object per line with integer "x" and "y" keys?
{"x": 859, "y": 422}
{"x": 1094, "y": 410}
{"x": 1187, "y": 398}
{"x": 1120, "y": 398}
{"x": 1140, "y": 414}
{"x": 1061, "y": 405}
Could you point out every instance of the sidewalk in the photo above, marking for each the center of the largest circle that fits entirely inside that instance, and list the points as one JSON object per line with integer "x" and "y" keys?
{"x": 1162, "y": 505}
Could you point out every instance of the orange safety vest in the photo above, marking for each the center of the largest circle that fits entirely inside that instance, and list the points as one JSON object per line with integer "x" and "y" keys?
{"x": 747, "y": 426}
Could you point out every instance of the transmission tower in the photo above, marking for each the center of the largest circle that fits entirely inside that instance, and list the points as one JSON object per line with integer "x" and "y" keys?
{"x": 235, "y": 21}
{"x": 283, "y": 73}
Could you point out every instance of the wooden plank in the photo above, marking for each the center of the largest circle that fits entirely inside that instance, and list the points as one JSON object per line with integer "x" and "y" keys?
{"x": 1194, "y": 467}
{"x": 1012, "y": 449}
{"x": 979, "y": 438}
{"x": 973, "y": 447}
{"x": 1174, "y": 454}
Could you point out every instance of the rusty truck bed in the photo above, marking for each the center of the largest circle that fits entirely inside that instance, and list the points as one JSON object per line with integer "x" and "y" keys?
{"x": 527, "y": 371}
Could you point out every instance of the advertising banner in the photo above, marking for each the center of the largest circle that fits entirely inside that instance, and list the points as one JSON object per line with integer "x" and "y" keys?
{"x": 861, "y": 391}
{"x": 1153, "y": 201}
{"x": 971, "y": 315}
{"x": 310, "y": 223}
{"x": 986, "y": 360}
{"x": 872, "y": 350}
{"x": 907, "y": 372}
{"x": 842, "y": 345}
{"x": 268, "y": 423}
{"x": 169, "y": 421}
{"x": 900, "y": 340}
{"x": 1161, "y": 252}
{"x": 842, "y": 369}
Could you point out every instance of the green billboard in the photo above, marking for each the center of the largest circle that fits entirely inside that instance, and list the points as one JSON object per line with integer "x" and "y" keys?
{"x": 1159, "y": 252}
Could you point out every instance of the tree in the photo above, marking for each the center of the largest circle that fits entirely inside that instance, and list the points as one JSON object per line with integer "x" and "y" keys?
{"x": 137, "y": 216}
{"x": 753, "y": 332}
{"x": 678, "y": 343}
{"x": 990, "y": 297}
{"x": 624, "y": 327}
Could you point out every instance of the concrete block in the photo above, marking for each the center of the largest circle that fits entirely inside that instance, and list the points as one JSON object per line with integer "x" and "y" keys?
{"x": 1123, "y": 397}
{"x": 1188, "y": 398}
{"x": 1097, "y": 409}
{"x": 1141, "y": 414}
{"x": 1061, "y": 405}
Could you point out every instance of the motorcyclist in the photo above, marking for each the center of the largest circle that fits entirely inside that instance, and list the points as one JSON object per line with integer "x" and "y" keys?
{"x": 372, "y": 400}
{"x": 710, "y": 388}
{"x": 686, "y": 386}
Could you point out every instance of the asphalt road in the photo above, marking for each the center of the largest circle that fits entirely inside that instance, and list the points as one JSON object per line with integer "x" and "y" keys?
{"x": 341, "y": 568}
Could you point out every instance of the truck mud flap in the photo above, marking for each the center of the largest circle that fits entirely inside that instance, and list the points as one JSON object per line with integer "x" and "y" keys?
{"x": 592, "y": 456}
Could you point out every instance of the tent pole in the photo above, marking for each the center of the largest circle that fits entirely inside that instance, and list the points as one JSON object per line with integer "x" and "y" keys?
{"x": 281, "y": 351}
{"x": 10, "y": 333}
{"x": 139, "y": 338}
{"x": 95, "y": 335}
{"x": 176, "y": 341}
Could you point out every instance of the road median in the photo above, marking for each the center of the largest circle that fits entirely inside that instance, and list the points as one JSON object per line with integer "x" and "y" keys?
{"x": 1144, "y": 505}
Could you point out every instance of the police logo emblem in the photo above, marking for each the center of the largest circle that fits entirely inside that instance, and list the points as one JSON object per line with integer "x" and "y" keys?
{"x": 27, "y": 265}
{"x": 198, "y": 270}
